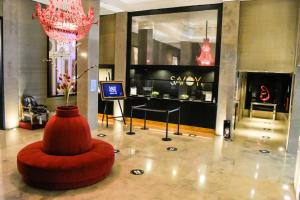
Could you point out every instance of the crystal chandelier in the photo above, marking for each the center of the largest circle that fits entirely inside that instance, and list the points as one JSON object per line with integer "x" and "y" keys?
{"x": 205, "y": 58}
{"x": 65, "y": 20}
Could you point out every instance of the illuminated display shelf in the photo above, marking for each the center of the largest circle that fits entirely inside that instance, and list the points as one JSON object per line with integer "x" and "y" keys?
{"x": 182, "y": 90}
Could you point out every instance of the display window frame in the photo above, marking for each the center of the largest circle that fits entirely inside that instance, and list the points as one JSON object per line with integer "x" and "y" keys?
{"x": 214, "y": 68}
{"x": 2, "y": 110}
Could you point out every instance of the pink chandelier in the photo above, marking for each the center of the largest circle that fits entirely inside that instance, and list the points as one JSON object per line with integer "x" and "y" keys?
{"x": 65, "y": 20}
{"x": 205, "y": 58}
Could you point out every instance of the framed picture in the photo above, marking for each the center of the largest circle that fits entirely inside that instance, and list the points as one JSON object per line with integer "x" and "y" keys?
{"x": 112, "y": 90}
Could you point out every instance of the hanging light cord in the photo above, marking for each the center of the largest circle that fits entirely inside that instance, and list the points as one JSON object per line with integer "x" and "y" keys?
{"x": 206, "y": 29}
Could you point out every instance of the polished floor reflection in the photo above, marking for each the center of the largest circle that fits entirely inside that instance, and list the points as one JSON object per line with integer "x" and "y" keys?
{"x": 202, "y": 167}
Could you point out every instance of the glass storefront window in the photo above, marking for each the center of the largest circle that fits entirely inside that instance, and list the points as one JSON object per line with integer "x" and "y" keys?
{"x": 174, "y": 38}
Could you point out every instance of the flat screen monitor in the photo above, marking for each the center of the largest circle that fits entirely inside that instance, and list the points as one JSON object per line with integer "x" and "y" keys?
{"x": 112, "y": 90}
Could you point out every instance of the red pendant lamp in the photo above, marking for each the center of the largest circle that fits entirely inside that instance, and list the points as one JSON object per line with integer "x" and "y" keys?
{"x": 65, "y": 20}
{"x": 205, "y": 58}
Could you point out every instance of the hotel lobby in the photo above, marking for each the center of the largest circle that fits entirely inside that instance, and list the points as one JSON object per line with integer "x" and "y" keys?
{"x": 149, "y": 99}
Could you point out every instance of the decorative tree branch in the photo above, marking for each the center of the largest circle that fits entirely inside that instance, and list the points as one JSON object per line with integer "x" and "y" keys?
{"x": 67, "y": 83}
{"x": 85, "y": 71}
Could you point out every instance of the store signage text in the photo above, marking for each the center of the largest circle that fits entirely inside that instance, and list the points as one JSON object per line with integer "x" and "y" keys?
{"x": 187, "y": 80}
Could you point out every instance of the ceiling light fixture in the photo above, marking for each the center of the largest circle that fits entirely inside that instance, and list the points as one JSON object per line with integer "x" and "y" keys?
{"x": 205, "y": 58}
{"x": 65, "y": 20}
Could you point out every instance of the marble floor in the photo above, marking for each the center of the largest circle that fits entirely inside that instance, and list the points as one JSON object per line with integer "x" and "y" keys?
{"x": 202, "y": 167}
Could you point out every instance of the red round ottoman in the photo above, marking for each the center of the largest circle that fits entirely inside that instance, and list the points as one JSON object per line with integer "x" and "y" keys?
{"x": 41, "y": 170}
{"x": 67, "y": 157}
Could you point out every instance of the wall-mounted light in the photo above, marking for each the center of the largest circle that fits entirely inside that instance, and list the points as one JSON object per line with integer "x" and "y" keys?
{"x": 83, "y": 54}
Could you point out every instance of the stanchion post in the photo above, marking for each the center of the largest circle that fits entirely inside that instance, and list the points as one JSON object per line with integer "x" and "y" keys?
{"x": 130, "y": 129}
{"x": 167, "y": 128}
{"x": 145, "y": 121}
{"x": 178, "y": 122}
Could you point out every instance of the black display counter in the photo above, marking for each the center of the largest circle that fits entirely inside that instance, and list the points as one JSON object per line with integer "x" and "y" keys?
{"x": 193, "y": 113}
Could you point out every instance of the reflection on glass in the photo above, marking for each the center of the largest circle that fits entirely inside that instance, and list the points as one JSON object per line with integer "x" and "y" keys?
{"x": 173, "y": 39}
{"x": 63, "y": 57}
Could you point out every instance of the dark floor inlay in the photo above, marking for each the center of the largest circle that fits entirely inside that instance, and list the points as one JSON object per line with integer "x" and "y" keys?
{"x": 101, "y": 135}
{"x": 172, "y": 149}
{"x": 137, "y": 172}
{"x": 117, "y": 151}
{"x": 264, "y": 151}
{"x": 267, "y": 129}
{"x": 266, "y": 137}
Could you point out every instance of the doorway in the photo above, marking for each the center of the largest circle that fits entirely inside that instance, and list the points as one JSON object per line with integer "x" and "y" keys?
{"x": 264, "y": 106}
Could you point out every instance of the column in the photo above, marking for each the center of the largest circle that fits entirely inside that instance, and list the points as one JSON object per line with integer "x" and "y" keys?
{"x": 294, "y": 123}
{"x": 88, "y": 55}
{"x": 186, "y": 53}
{"x": 120, "y": 53}
{"x": 11, "y": 63}
{"x": 228, "y": 65}
{"x": 145, "y": 41}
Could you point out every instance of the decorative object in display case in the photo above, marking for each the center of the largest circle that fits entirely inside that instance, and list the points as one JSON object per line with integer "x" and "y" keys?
{"x": 168, "y": 84}
{"x": 205, "y": 58}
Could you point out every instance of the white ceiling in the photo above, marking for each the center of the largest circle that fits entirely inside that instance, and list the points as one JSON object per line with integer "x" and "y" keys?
{"x": 114, "y": 6}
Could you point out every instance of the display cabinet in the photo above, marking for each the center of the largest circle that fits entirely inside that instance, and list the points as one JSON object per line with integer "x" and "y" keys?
{"x": 173, "y": 61}
{"x": 174, "y": 85}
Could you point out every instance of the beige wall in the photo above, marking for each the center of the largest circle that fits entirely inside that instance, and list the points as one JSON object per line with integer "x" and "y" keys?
{"x": 228, "y": 64}
{"x": 107, "y": 39}
{"x": 32, "y": 49}
{"x": 87, "y": 99}
{"x": 11, "y": 62}
{"x": 120, "y": 52}
{"x": 1, "y": 7}
{"x": 25, "y": 46}
{"x": 267, "y": 35}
